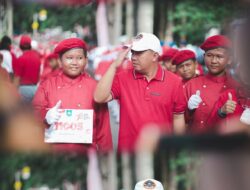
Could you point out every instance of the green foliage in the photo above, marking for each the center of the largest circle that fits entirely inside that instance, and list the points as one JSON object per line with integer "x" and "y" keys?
{"x": 63, "y": 16}
{"x": 51, "y": 170}
{"x": 193, "y": 18}
{"x": 67, "y": 17}
{"x": 23, "y": 17}
{"x": 184, "y": 164}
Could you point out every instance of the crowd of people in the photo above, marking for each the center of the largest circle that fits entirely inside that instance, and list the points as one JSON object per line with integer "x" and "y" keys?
{"x": 142, "y": 81}
{"x": 72, "y": 92}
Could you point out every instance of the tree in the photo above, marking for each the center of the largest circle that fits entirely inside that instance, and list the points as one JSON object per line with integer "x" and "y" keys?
{"x": 193, "y": 18}
{"x": 66, "y": 17}
{"x": 50, "y": 170}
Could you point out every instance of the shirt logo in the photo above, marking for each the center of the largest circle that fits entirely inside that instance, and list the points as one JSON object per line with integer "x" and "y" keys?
{"x": 149, "y": 184}
{"x": 69, "y": 113}
{"x": 138, "y": 37}
{"x": 155, "y": 93}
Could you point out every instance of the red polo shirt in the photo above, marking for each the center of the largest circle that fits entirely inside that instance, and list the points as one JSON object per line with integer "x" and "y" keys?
{"x": 210, "y": 89}
{"x": 28, "y": 67}
{"x": 75, "y": 94}
{"x": 143, "y": 102}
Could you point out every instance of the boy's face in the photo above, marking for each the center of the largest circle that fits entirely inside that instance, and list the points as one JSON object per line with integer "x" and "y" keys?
{"x": 73, "y": 62}
{"x": 187, "y": 69}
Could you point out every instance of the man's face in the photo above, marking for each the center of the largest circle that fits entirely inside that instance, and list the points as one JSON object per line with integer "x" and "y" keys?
{"x": 216, "y": 61}
{"x": 169, "y": 66}
{"x": 143, "y": 60}
{"x": 187, "y": 69}
{"x": 73, "y": 62}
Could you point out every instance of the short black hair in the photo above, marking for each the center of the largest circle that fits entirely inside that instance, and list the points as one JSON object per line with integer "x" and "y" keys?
{"x": 5, "y": 43}
{"x": 25, "y": 47}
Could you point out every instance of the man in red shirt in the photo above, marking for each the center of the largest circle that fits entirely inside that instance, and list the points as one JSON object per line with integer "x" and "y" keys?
{"x": 233, "y": 106}
{"x": 73, "y": 89}
{"x": 148, "y": 94}
{"x": 186, "y": 64}
{"x": 202, "y": 92}
{"x": 27, "y": 70}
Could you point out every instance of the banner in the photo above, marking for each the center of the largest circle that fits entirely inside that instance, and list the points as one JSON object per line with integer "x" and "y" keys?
{"x": 74, "y": 126}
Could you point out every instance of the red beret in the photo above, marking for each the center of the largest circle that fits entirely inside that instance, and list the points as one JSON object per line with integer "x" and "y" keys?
{"x": 182, "y": 56}
{"x": 68, "y": 44}
{"x": 25, "y": 40}
{"x": 168, "y": 53}
{"x": 215, "y": 42}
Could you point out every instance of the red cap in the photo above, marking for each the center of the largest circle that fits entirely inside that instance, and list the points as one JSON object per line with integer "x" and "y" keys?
{"x": 25, "y": 40}
{"x": 168, "y": 53}
{"x": 215, "y": 42}
{"x": 182, "y": 56}
{"x": 68, "y": 44}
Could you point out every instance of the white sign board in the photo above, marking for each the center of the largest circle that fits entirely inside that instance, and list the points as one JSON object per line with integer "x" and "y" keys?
{"x": 74, "y": 126}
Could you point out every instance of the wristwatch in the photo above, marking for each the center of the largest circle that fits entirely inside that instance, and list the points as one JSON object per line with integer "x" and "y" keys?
{"x": 221, "y": 114}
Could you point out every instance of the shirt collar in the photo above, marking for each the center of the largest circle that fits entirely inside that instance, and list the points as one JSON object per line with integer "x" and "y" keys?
{"x": 68, "y": 80}
{"x": 160, "y": 74}
{"x": 217, "y": 79}
{"x": 186, "y": 80}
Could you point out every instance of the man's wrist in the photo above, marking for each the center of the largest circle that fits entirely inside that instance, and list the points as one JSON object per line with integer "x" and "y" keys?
{"x": 115, "y": 64}
{"x": 221, "y": 113}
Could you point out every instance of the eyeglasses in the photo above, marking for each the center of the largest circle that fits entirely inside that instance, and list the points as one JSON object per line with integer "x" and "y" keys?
{"x": 69, "y": 60}
{"x": 212, "y": 56}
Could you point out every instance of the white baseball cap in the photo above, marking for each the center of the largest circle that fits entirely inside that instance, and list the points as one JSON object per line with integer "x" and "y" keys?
{"x": 146, "y": 41}
{"x": 149, "y": 184}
